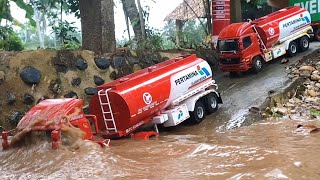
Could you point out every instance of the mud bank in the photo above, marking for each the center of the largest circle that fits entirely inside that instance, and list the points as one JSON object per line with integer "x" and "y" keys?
{"x": 28, "y": 77}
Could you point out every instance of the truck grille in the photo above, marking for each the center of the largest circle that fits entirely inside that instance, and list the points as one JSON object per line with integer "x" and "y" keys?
{"x": 230, "y": 61}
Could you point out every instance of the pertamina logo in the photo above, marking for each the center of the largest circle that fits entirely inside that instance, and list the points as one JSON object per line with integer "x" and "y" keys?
{"x": 203, "y": 70}
{"x": 147, "y": 98}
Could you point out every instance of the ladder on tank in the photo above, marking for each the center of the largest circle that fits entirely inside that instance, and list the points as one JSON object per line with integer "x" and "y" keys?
{"x": 106, "y": 110}
{"x": 262, "y": 45}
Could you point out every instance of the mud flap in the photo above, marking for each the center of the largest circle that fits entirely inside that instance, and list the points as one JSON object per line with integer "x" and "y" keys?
{"x": 219, "y": 99}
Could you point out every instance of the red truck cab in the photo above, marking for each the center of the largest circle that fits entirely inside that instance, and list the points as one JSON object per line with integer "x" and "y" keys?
{"x": 246, "y": 45}
{"x": 237, "y": 45}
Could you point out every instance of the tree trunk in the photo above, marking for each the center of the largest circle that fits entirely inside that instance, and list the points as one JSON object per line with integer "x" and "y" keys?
{"x": 127, "y": 22}
{"x": 133, "y": 14}
{"x": 207, "y": 5}
{"x": 235, "y": 11}
{"x": 97, "y": 23}
{"x": 39, "y": 32}
{"x": 179, "y": 25}
{"x": 142, "y": 25}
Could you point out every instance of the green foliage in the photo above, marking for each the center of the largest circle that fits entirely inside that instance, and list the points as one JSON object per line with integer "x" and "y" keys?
{"x": 250, "y": 8}
{"x": 65, "y": 31}
{"x": 314, "y": 113}
{"x": 28, "y": 8}
{"x": 9, "y": 40}
{"x": 73, "y": 7}
{"x": 193, "y": 35}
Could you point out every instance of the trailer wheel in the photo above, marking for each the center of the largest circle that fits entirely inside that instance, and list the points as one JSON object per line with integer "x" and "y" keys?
{"x": 292, "y": 50}
{"x": 211, "y": 103}
{"x": 317, "y": 34}
{"x": 198, "y": 114}
{"x": 256, "y": 64}
{"x": 304, "y": 43}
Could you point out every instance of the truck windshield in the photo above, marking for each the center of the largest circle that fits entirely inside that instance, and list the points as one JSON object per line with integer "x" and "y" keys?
{"x": 228, "y": 45}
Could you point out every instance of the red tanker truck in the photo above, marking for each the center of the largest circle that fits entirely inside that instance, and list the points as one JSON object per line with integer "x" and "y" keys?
{"x": 246, "y": 45}
{"x": 167, "y": 93}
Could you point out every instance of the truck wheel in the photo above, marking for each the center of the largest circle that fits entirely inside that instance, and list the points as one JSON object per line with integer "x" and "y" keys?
{"x": 317, "y": 34}
{"x": 198, "y": 114}
{"x": 304, "y": 43}
{"x": 211, "y": 103}
{"x": 292, "y": 51}
{"x": 256, "y": 64}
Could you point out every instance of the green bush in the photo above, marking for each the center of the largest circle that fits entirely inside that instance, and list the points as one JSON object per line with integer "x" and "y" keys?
{"x": 9, "y": 40}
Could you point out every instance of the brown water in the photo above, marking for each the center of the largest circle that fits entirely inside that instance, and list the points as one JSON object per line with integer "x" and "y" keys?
{"x": 264, "y": 150}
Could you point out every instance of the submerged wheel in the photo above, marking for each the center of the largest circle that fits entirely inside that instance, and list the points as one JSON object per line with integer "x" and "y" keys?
{"x": 211, "y": 103}
{"x": 304, "y": 43}
{"x": 256, "y": 64}
{"x": 198, "y": 114}
{"x": 292, "y": 50}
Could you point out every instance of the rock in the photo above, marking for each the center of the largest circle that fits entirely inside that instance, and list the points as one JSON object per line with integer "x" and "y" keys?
{"x": 313, "y": 93}
{"x": 118, "y": 62}
{"x": 2, "y": 76}
{"x": 307, "y": 68}
{"x": 288, "y": 104}
{"x": 91, "y": 91}
{"x": 28, "y": 99}
{"x": 71, "y": 95}
{"x": 315, "y": 77}
{"x": 280, "y": 110}
{"x": 315, "y": 72}
{"x": 317, "y": 85}
{"x": 55, "y": 86}
{"x": 81, "y": 64}
{"x": 132, "y": 60}
{"x": 15, "y": 117}
{"x": 76, "y": 81}
{"x": 165, "y": 58}
{"x": 11, "y": 98}
{"x": 30, "y": 75}
{"x": 98, "y": 80}
{"x": 284, "y": 60}
{"x": 102, "y": 63}
{"x": 113, "y": 75}
{"x": 306, "y": 129}
{"x": 136, "y": 68}
{"x": 305, "y": 74}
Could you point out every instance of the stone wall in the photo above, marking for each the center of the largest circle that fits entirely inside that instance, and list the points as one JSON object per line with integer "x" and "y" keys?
{"x": 28, "y": 77}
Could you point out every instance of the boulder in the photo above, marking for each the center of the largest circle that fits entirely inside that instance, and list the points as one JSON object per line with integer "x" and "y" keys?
{"x": 313, "y": 93}
{"x": 76, "y": 81}
{"x": 98, "y": 80}
{"x": 307, "y": 68}
{"x": 15, "y": 117}
{"x": 118, "y": 62}
{"x": 102, "y": 63}
{"x": 30, "y": 75}
{"x": 132, "y": 60}
{"x": 28, "y": 99}
{"x": 90, "y": 91}
{"x": 81, "y": 64}
{"x": 71, "y": 95}
{"x": 55, "y": 86}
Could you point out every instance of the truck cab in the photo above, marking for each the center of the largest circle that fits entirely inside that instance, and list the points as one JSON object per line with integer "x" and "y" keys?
{"x": 238, "y": 45}
{"x": 246, "y": 45}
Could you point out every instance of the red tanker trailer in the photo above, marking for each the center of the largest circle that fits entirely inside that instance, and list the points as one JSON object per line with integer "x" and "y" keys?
{"x": 246, "y": 45}
{"x": 167, "y": 93}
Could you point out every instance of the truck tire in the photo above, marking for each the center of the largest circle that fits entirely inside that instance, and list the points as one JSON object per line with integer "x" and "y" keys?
{"x": 304, "y": 43}
{"x": 211, "y": 103}
{"x": 292, "y": 50}
{"x": 256, "y": 64}
{"x": 317, "y": 34}
{"x": 198, "y": 114}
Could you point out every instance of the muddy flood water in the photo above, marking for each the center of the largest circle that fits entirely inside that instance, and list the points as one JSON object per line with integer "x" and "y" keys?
{"x": 269, "y": 149}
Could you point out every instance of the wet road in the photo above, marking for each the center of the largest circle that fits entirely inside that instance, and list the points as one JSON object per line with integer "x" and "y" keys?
{"x": 214, "y": 149}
